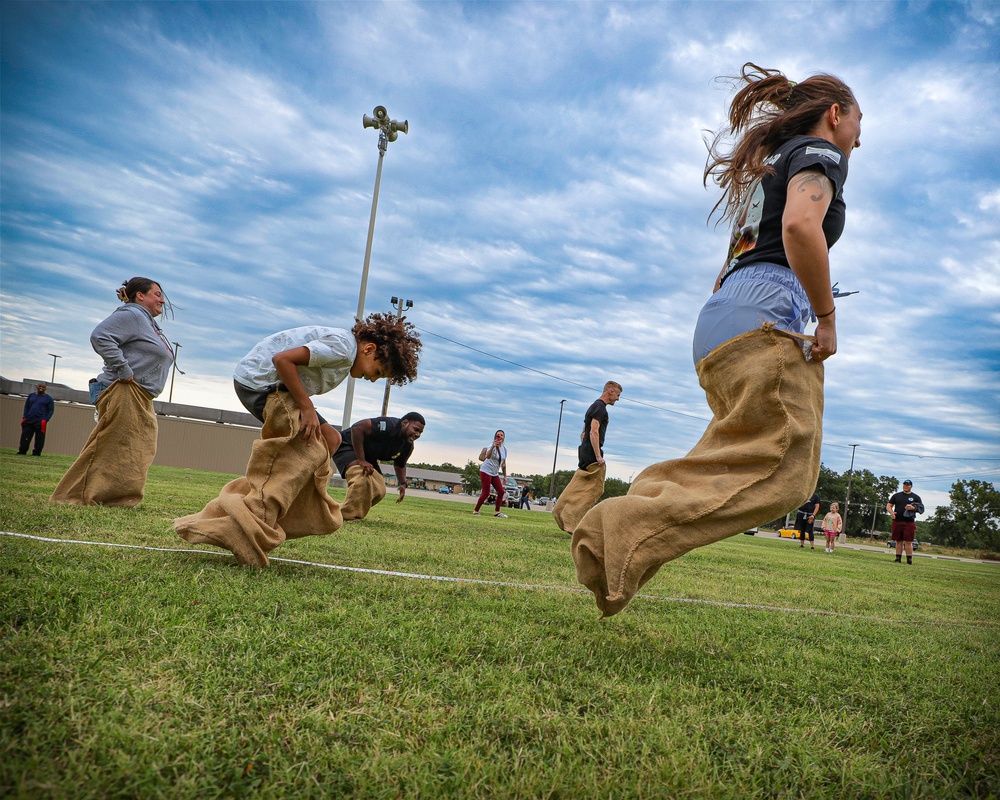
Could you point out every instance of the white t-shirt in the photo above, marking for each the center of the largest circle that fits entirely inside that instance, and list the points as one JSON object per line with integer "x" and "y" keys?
{"x": 331, "y": 354}
{"x": 491, "y": 466}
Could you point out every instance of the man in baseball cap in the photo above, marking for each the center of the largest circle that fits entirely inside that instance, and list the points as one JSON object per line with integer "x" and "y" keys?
{"x": 904, "y": 507}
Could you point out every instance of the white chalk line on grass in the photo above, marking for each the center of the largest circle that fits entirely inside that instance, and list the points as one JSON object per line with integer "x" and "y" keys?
{"x": 511, "y": 585}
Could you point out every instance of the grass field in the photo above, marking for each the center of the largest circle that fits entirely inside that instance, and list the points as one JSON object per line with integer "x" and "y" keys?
{"x": 142, "y": 673}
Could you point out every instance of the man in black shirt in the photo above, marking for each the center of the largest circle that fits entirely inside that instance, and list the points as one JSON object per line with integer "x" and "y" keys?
{"x": 904, "y": 507}
{"x": 364, "y": 445}
{"x": 587, "y": 484}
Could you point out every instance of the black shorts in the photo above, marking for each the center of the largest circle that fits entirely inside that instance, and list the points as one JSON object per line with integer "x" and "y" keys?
{"x": 254, "y": 400}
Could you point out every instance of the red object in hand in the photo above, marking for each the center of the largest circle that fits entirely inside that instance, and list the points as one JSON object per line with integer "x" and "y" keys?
{"x": 23, "y": 420}
{"x": 44, "y": 422}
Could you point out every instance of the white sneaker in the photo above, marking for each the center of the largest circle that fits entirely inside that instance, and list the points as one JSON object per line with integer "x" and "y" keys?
{"x": 475, "y": 513}
{"x": 502, "y": 516}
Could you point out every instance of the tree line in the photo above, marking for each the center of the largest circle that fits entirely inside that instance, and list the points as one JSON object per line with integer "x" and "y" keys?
{"x": 971, "y": 520}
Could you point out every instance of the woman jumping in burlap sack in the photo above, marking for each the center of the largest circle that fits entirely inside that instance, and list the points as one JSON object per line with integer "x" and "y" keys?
{"x": 783, "y": 185}
{"x": 283, "y": 495}
{"x": 111, "y": 470}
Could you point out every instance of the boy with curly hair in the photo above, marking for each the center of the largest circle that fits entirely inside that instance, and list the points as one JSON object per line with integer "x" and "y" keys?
{"x": 283, "y": 494}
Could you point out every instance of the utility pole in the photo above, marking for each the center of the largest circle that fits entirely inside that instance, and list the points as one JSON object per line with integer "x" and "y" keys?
{"x": 552, "y": 482}
{"x": 174, "y": 372}
{"x": 850, "y": 476}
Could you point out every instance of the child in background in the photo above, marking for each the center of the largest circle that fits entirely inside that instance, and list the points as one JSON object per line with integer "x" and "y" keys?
{"x": 832, "y": 525}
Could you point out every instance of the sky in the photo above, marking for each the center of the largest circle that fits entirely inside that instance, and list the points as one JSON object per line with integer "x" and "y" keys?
{"x": 545, "y": 213}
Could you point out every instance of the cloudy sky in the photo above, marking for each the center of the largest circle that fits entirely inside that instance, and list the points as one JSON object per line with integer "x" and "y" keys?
{"x": 545, "y": 213}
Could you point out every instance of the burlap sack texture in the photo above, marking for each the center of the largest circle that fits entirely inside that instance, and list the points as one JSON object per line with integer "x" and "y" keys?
{"x": 283, "y": 495}
{"x": 363, "y": 492}
{"x": 112, "y": 467}
{"x": 584, "y": 490}
{"x": 759, "y": 457}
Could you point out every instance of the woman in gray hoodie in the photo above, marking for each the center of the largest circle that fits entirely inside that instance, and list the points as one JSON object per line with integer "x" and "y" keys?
{"x": 111, "y": 470}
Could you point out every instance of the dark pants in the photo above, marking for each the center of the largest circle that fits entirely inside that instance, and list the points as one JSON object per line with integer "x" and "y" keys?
{"x": 29, "y": 429}
{"x": 805, "y": 528}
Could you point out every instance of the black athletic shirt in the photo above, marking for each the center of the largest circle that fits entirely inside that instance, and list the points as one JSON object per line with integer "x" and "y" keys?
{"x": 383, "y": 443}
{"x": 901, "y": 500}
{"x": 806, "y": 509}
{"x": 756, "y": 235}
{"x": 598, "y": 410}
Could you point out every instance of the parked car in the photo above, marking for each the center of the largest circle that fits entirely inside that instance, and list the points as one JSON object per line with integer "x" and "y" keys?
{"x": 445, "y": 490}
{"x": 891, "y": 543}
{"x": 543, "y": 501}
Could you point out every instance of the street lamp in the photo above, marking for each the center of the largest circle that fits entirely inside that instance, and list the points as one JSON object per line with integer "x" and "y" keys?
{"x": 388, "y": 130}
{"x": 54, "y": 358}
{"x": 398, "y": 302}
{"x": 552, "y": 483}
{"x": 850, "y": 475}
{"x": 174, "y": 372}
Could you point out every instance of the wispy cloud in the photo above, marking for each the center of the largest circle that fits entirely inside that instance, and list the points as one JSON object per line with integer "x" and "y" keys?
{"x": 546, "y": 209}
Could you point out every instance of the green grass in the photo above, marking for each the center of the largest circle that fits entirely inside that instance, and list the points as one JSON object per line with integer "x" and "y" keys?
{"x": 131, "y": 673}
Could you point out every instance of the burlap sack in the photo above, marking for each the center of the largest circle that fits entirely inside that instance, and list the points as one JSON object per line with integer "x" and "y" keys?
{"x": 363, "y": 492}
{"x": 112, "y": 467}
{"x": 283, "y": 495}
{"x": 759, "y": 457}
{"x": 584, "y": 490}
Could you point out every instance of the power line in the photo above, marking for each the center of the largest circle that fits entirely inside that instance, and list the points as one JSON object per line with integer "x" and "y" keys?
{"x": 557, "y": 378}
{"x": 678, "y": 413}
{"x": 963, "y": 475}
{"x": 917, "y": 455}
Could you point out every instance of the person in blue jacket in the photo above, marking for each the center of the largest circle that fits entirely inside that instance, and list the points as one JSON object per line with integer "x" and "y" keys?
{"x": 38, "y": 410}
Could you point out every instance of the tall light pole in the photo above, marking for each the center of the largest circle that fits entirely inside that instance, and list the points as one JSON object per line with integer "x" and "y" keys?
{"x": 398, "y": 302}
{"x": 54, "y": 358}
{"x": 552, "y": 483}
{"x": 850, "y": 476}
{"x": 174, "y": 372}
{"x": 388, "y": 130}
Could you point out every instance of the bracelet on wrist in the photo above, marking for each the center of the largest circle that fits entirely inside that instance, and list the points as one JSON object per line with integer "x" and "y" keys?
{"x": 827, "y": 314}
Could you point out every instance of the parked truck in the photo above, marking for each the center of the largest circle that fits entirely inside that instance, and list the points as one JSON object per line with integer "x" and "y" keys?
{"x": 513, "y": 493}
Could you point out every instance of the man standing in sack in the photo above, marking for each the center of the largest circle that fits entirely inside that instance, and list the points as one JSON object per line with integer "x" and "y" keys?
{"x": 587, "y": 485}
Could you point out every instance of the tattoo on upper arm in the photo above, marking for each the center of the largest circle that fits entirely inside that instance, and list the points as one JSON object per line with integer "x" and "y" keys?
{"x": 816, "y": 183}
